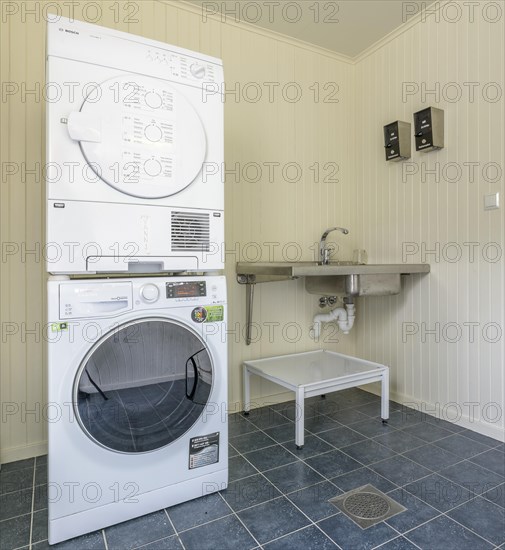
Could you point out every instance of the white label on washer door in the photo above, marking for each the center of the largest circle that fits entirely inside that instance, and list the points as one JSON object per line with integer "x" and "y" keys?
{"x": 139, "y": 97}
{"x": 154, "y": 133}
{"x": 203, "y": 450}
{"x": 139, "y": 167}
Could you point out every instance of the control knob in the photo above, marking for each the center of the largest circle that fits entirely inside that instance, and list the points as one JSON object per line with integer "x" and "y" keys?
{"x": 198, "y": 71}
{"x": 150, "y": 293}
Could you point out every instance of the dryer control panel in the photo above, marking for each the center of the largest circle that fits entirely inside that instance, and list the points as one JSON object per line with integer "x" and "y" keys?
{"x": 182, "y": 66}
{"x": 79, "y": 41}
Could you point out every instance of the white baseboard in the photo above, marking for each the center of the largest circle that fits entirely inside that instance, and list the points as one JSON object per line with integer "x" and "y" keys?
{"x": 495, "y": 431}
{"x": 21, "y": 452}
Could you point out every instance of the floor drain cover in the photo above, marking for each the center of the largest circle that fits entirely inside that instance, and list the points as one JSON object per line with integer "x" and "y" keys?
{"x": 367, "y": 506}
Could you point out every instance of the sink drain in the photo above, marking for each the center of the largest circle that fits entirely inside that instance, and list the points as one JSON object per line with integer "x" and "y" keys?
{"x": 367, "y": 506}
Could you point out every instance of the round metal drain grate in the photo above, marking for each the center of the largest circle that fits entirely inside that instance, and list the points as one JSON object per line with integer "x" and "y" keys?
{"x": 366, "y": 505}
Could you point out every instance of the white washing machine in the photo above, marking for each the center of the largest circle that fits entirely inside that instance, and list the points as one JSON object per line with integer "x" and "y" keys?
{"x": 137, "y": 377}
{"x": 134, "y": 153}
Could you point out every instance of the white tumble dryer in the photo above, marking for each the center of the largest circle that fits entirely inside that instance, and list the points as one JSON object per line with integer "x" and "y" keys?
{"x": 137, "y": 397}
{"x": 134, "y": 153}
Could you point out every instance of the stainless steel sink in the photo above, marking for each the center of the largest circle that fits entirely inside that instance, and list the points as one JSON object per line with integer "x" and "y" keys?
{"x": 376, "y": 284}
{"x": 333, "y": 279}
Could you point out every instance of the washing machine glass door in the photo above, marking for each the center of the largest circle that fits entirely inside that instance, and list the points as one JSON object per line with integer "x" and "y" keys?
{"x": 143, "y": 385}
{"x": 140, "y": 135}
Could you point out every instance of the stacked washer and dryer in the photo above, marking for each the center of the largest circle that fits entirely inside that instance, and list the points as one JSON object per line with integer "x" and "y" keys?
{"x": 137, "y": 359}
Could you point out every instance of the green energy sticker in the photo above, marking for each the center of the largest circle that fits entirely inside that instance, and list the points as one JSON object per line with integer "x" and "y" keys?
{"x": 209, "y": 314}
{"x": 214, "y": 313}
{"x": 58, "y": 327}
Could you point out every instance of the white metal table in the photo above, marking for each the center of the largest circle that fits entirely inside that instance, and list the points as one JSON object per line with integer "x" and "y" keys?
{"x": 316, "y": 373}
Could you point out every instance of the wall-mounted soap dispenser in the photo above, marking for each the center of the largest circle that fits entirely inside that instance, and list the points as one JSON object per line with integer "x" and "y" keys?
{"x": 429, "y": 129}
{"x": 397, "y": 140}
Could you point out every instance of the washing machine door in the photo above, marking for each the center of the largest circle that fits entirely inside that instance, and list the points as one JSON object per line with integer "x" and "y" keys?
{"x": 140, "y": 135}
{"x": 143, "y": 385}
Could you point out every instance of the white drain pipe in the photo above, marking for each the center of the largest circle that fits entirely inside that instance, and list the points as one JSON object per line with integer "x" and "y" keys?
{"x": 344, "y": 317}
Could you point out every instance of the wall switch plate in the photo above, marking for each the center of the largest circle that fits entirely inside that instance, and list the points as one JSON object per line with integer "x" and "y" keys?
{"x": 491, "y": 202}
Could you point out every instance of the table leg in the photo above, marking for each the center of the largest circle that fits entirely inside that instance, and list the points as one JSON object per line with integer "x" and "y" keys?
{"x": 385, "y": 396}
{"x": 300, "y": 418}
{"x": 247, "y": 390}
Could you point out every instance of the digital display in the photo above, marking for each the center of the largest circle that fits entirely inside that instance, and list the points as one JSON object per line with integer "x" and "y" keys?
{"x": 191, "y": 289}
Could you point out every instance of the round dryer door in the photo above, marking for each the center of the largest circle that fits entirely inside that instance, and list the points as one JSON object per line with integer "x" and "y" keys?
{"x": 143, "y": 385}
{"x": 140, "y": 136}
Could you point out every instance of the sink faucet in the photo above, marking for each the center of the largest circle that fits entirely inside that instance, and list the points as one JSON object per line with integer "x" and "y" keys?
{"x": 324, "y": 251}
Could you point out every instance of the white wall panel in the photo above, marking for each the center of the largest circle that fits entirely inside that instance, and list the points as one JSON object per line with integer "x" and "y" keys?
{"x": 394, "y": 209}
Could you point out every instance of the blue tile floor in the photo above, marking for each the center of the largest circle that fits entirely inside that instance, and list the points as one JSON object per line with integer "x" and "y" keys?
{"x": 451, "y": 480}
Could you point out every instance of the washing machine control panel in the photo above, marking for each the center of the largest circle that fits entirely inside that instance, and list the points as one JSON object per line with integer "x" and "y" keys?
{"x": 78, "y": 300}
{"x": 190, "y": 289}
{"x": 102, "y": 299}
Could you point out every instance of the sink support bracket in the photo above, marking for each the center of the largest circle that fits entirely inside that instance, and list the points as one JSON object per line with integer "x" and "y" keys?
{"x": 250, "y": 282}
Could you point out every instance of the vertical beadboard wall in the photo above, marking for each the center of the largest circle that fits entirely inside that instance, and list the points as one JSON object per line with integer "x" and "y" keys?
{"x": 458, "y": 369}
{"x": 383, "y": 205}
{"x": 257, "y": 212}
